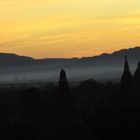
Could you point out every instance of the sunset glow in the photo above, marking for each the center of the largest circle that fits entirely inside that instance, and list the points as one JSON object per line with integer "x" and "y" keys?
{"x": 63, "y": 28}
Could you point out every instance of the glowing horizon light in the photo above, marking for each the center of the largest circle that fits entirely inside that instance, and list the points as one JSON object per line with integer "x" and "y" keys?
{"x": 63, "y": 28}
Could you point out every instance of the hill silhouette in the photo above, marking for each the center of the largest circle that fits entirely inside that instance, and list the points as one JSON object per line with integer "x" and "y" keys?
{"x": 111, "y": 64}
{"x": 88, "y": 111}
{"x": 13, "y": 59}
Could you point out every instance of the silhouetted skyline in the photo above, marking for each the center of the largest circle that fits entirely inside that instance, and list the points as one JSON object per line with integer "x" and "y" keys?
{"x": 105, "y": 67}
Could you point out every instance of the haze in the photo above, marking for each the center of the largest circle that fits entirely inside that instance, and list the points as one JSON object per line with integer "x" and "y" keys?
{"x": 62, "y": 28}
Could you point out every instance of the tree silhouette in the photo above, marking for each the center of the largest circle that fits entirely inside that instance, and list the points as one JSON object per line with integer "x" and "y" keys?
{"x": 127, "y": 78}
{"x": 136, "y": 78}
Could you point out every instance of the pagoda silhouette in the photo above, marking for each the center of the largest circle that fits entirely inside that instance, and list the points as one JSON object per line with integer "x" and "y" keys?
{"x": 127, "y": 78}
{"x": 63, "y": 83}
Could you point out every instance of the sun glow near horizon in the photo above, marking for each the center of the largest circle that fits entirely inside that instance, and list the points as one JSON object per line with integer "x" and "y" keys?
{"x": 73, "y": 28}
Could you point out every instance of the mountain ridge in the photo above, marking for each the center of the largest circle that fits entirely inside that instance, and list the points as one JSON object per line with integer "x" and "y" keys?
{"x": 104, "y": 66}
{"x": 74, "y": 58}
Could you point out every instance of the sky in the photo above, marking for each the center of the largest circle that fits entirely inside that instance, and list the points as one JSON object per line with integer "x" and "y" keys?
{"x": 68, "y": 28}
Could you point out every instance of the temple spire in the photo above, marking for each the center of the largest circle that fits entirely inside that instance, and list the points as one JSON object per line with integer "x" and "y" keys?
{"x": 127, "y": 78}
{"x": 126, "y": 67}
{"x": 63, "y": 83}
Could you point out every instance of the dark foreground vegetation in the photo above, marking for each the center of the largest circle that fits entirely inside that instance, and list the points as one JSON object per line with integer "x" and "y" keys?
{"x": 89, "y": 111}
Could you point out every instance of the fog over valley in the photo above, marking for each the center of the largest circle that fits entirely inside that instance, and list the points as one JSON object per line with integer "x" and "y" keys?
{"x": 106, "y": 67}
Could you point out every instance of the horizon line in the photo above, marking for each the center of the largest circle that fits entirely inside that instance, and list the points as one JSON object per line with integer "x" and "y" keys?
{"x": 105, "y": 53}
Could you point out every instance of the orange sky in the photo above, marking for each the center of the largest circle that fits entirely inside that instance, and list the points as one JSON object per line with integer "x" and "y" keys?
{"x": 62, "y": 28}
